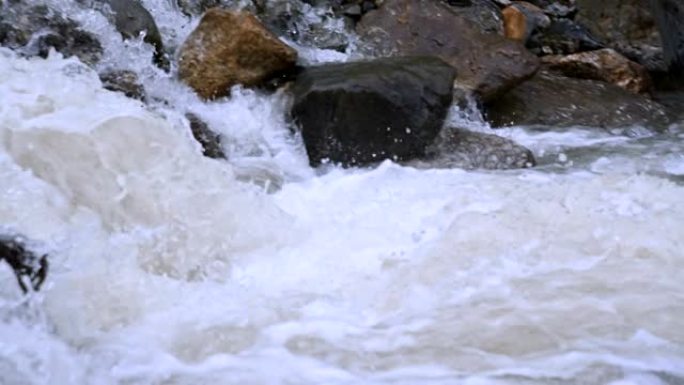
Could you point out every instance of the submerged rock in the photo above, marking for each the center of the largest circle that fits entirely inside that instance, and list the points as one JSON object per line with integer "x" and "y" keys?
{"x": 312, "y": 24}
{"x": 25, "y": 264}
{"x": 460, "y": 148}
{"x": 123, "y": 81}
{"x": 210, "y": 141}
{"x": 552, "y": 100}
{"x": 606, "y": 65}
{"x": 487, "y": 64}
{"x": 34, "y": 30}
{"x": 229, "y": 48}
{"x": 365, "y": 112}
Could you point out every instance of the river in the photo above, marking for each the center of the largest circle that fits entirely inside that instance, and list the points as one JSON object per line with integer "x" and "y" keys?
{"x": 169, "y": 268}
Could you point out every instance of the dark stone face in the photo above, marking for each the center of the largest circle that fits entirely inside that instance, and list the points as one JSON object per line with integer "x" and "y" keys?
{"x": 669, "y": 15}
{"x": 360, "y": 113}
{"x": 26, "y": 265}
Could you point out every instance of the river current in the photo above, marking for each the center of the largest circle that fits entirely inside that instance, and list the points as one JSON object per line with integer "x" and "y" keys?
{"x": 169, "y": 268}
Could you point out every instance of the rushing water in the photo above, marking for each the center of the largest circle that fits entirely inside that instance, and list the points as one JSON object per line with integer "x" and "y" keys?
{"x": 168, "y": 268}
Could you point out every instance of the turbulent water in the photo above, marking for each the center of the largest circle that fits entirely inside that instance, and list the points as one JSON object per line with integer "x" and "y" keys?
{"x": 171, "y": 268}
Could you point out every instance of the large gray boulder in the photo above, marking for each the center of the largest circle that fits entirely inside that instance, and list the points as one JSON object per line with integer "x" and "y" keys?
{"x": 552, "y": 100}
{"x": 364, "y": 112}
{"x": 487, "y": 64}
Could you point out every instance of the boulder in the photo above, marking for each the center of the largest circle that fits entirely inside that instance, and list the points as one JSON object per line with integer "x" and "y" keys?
{"x": 229, "y": 48}
{"x": 29, "y": 268}
{"x": 487, "y": 64}
{"x": 210, "y": 141}
{"x": 365, "y": 112}
{"x": 553, "y": 100}
{"x": 521, "y": 19}
{"x": 461, "y": 148}
{"x": 123, "y": 81}
{"x": 606, "y": 65}
{"x": 34, "y": 30}
{"x": 627, "y": 26}
{"x": 131, "y": 20}
{"x": 562, "y": 37}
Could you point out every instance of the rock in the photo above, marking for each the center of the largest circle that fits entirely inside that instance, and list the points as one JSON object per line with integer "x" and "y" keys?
{"x": 25, "y": 264}
{"x": 552, "y": 100}
{"x": 131, "y": 20}
{"x": 521, "y": 19}
{"x": 123, "y": 81}
{"x": 562, "y": 37}
{"x": 557, "y": 8}
{"x": 196, "y": 7}
{"x": 210, "y": 141}
{"x": 485, "y": 14}
{"x": 669, "y": 15}
{"x": 606, "y": 65}
{"x": 628, "y": 26}
{"x": 365, "y": 112}
{"x": 460, "y": 148}
{"x": 34, "y": 30}
{"x": 614, "y": 21}
{"x": 230, "y": 48}
{"x": 487, "y": 64}
{"x": 307, "y": 24}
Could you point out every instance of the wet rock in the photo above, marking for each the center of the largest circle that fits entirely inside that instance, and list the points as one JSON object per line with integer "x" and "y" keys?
{"x": 229, "y": 48}
{"x": 521, "y": 19}
{"x": 210, "y": 141}
{"x": 562, "y": 37}
{"x": 557, "y": 8}
{"x": 306, "y": 24}
{"x": 487, "y": 64}
{"x": 552, "y": 100}
{"x": 131, "y": 20}
{"x": 606, "y": 65}
{"x": 365, "y": 112}
{"x": 460, "y": 148}
{"x": 669, "y": 15}
{"x": 123, "y": 81}
{"x": 34, "y": 30}
{"x": 196, "y": 7}
{"x": 29, "y": 268}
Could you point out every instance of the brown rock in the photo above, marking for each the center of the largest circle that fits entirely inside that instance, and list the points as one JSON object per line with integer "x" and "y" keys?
{"x": 229, "y": 48}
{"x": 487, "y": 64}
{"x": 521, "y": 19}
{"x": 606, "y": 65}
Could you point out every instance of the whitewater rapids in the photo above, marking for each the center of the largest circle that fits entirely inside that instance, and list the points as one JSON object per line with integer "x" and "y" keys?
{"x": 167, "y": 268}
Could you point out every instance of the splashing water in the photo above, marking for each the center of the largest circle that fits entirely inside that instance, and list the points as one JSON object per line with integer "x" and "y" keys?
{"x": 167, "y": 269}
